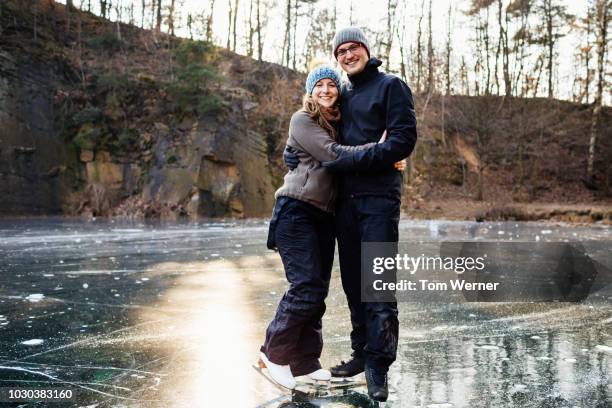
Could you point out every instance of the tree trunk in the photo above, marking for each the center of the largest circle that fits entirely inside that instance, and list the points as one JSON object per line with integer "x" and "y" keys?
{"x": 117, "y": 25}
{"x": 69, "y": 9}
{"x": 430, "y": 55}
{"x": 506, "y": 59}
{"x": 251, "y": 31}
{"x": 603, "y": 19}
{"x": 448, "y": 51}
{"x": 103, "y": 8}
{"x": 540, "y": 66}
{"x": 142, "y": 16}
{"x": 171, "y": 18}
{"x": 209, "y": 22}
{"x": 158, "y": 19}
{"x": 287, "y": 40}
{"x": 550, "y": 43}
{"x": 190, "y": 25}
{"x": 485, "y": 33}
{"x": 389, "y": 42}
{"x": 259, "y": 42}
{"x": 480, "y": 185}
{"x": 236, "y": 2}
{"x": 478, "y": 64}
{"x": 400, "y": 42}
{"x": 293, "y": 41}
{"x": 464, "y": 77}
{"x": 499, "y": 44}
{"x": 419, "y": 49}
{"x": 587, "y": 79}
{"x": 229, "y": 26}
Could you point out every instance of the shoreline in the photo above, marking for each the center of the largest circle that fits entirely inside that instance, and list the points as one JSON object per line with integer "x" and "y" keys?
{"x": 449, "y": 210}
{"x": 467, "y": 210}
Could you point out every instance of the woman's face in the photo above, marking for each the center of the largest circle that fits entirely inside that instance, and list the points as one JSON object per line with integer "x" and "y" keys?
{"x": 325, "y": 93}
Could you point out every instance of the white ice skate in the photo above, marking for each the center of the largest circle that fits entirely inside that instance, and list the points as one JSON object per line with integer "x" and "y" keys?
{"x": 320, "y": 375}
{"x": 281, "y": 374}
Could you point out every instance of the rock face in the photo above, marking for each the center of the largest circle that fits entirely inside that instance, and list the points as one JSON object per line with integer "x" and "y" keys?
{"x": 209, "y": 168}
{"x": 33, "y": 157}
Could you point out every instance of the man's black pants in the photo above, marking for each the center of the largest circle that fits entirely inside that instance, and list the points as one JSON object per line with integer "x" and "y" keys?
{"x": 305, "y": 239}
{"x": 375, "y": 325}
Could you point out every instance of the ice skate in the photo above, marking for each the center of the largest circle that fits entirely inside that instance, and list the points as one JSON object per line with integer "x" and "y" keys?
{"x": 280, "y": 374}
{"x": 320, "y": 375}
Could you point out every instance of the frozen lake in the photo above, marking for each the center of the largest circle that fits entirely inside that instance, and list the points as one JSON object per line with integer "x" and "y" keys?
{"x": 173, "y": 314}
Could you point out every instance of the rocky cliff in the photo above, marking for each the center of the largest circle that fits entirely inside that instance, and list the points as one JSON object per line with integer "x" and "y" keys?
{"x": 33, "y": 156}
{"x": 103, "y": 119}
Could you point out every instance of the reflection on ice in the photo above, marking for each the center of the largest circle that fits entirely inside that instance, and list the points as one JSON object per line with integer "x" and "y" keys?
{"x": 158, "y": 315}
{"x": 33, "y": 342}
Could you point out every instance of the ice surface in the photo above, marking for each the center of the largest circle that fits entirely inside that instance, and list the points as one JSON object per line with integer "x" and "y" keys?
{"x": 183, "y": 324}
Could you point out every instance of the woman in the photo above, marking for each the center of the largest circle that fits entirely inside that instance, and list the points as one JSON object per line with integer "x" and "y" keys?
{"x": 302, "y": 228}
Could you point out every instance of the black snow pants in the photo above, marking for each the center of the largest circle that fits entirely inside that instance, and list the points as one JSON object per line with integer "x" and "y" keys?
{"x": 375, "y": 326}
{"x": 305, "y": 238}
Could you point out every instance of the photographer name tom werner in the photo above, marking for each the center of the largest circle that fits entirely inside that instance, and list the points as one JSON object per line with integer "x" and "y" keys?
{"x": 427, "y": 285}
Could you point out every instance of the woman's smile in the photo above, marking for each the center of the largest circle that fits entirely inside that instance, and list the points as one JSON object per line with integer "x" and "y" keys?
{"x": 325, "y": 93}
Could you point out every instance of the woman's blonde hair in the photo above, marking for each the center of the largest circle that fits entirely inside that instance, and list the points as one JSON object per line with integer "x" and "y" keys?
{"x": 322, "y": 115}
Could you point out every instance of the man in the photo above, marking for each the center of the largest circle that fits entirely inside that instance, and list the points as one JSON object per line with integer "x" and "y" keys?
{"x": 369, "y": 196}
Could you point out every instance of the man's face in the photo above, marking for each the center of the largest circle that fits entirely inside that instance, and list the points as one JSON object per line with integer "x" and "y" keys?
{"x": 352, "y": 57}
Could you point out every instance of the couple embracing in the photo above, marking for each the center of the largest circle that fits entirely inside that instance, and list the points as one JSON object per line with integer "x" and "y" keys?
{"x": 344, "y": 183}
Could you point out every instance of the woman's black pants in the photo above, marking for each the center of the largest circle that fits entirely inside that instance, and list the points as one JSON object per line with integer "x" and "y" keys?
{"x": 305, "y": 239}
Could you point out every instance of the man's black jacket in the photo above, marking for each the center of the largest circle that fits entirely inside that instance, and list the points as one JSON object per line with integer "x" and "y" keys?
{"x": 370, "y": 104}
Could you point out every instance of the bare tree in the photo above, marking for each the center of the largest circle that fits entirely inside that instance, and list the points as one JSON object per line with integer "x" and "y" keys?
{"x": 585, "y": 25}
{"x": 603, "y": 12}
{"x": 190, "y": 25}
{"x": 293, "y": 40}
{"x": 286, "y": 54}
{"x": 464, "y": 76}
{"x": 69, "y": 10}
{"x": 229, "y": 25}
{"x": 401, "y": 34}
{"x": 103, "y": 4}
{"x": 171, "y": 11}
{"x": 419, "y": 53}
{"x": 259, "y": 42}
{"x": 320, "y": 34}
{"x": 430, "y": 55}
{"x": 118, "y": 12}
{"x": 502, "y": 50}
{"x": 251, "y": 33}
{"x": 449, "y": 49}
{"x": 553, "y": 18}
{"x": 236, "y": 3}
{"x": 209, "y": 21}
{"x": 391, "y": 8}
{"x": 519, "y": 10}
{"x": 482, "y": 41}
{"x": 158, "y": 18}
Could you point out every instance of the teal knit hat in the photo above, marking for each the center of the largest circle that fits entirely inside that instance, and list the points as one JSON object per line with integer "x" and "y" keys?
{"x": 318, "y": 73}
